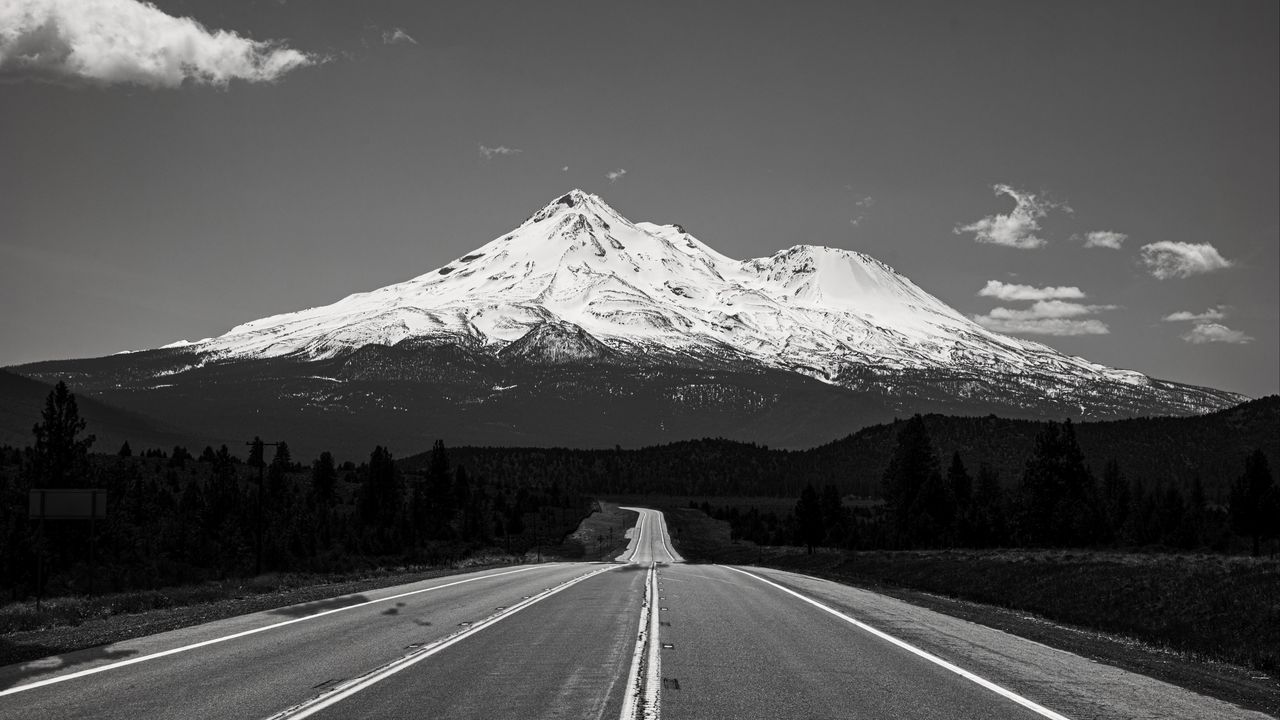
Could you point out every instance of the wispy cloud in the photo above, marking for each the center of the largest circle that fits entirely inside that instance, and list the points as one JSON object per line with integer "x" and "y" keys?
{"x": 1012, "y": 291}
{"x": 1018, "y": 228}
{"x": 395, "y": 36}
{"x": 1214, "y": 313}
{"x": 615, "y": 175}
{"x": 1105, "y": 239}
{"x": 1060, "y": 327}
{"x": 1167, "y": 259}
{"x": 104, "y": 42}
{"x": 1047, "y": 317}
{"x": 1211, "y": 332}
{"x": 1205, "y": 327}
{"x": 488, "y": 153}
{"x": 865, "y": 203}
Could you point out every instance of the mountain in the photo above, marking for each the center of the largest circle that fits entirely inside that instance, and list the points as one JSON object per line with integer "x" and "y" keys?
{"x": 581, "y": 327}
{"x": 22, "y": 399}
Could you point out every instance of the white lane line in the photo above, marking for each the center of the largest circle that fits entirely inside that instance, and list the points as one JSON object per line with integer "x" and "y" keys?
{"x": 653, "y": 666}
{"x": 345, "y": 690}
{"x": 233, "y": 636}
{"x": 641, "y": 699}
{"x": 1011, "y": 695}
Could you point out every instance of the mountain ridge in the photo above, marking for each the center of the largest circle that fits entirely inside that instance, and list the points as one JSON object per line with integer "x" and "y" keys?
{"x": 579, "y": 306}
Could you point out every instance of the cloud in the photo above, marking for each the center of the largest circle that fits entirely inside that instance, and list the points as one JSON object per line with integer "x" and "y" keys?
{"x": 1211, "y": 332}
{"x": 1105, "y": 239}
{"x": 564, "y": 169}
{"x": 1048, "y": 309}
{"x": 614, "y": 175}
{"x": 1018, "y": 228}
{"x": 1044, "y": 326}
{"x": 395, "y": 36}
{"x": 488, "y": 153}
{"x": 1011, "y": 291}
{"x": 104, "y": 42}
{"x": 1215, "y": 313}
{"x": 864, "y": 203}
{"x": 1166, "y": 259}
{"x": 1047, "y": 317}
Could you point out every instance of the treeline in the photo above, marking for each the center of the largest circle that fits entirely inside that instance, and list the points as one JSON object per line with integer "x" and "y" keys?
{"x": 1055, "y": 502}
{"x": 1152, "y": 451}
{"x": 174, "y": 517}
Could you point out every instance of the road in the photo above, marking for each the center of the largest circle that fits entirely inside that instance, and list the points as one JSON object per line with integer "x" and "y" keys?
{"x": 644, "y": 636}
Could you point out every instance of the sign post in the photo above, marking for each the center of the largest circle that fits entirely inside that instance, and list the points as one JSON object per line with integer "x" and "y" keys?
{"x": 65, "y": 504}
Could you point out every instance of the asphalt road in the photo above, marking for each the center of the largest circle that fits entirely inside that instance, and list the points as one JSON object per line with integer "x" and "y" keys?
{"x": 644, "y": 636}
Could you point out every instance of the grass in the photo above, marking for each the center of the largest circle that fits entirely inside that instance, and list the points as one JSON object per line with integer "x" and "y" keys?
{"x": 602, "y": 534}
{"x": 17, "y": 617}
{"x": 1203, "y": 607}
{"x": 68, "y": 623}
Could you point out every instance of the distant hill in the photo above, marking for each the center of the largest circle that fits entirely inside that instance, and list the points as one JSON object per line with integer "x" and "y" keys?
{"x": 1154, "y": 450}
{"x": 1173, "y": 449}
{"x": 22, "y": 399}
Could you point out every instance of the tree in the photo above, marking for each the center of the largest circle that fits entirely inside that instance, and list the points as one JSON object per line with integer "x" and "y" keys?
{"x": 1058, "y": 504}
{"x": 912, "y": 465}
{"x": 835, "y": 518}
{"x": 60, "y": 458}
{"x": 439, "y": 490}
{"x": 1115, "y": 498}
{"x": 324, "y": 478}
{"x": 125, "y": 450}
{"x": 1254, "y": 501}
{"x": 809, "y": 518}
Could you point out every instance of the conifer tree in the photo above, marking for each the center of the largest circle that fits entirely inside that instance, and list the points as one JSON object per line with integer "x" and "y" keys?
{"x": 1254, "y": 501}
{"x": 59, "y": 457}
{"x": 809, "y": 518}
{"x": 913, "y": 463}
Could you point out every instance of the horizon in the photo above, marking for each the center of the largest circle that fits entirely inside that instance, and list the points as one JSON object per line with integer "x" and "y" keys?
{"x": 1102, "y": 180}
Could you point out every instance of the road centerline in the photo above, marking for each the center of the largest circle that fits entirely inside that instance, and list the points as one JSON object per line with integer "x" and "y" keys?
{"x": 338, "y": 693}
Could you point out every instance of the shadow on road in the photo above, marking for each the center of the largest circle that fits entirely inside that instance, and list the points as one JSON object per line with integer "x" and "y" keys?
{"x": 43, "y": 660}
{"x": 312, "y": 608}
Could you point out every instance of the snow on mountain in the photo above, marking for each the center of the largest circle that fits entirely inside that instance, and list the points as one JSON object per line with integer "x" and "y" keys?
{"x": 579, "y": 280}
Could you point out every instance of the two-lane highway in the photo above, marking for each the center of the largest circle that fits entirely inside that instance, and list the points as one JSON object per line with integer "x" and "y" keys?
{"x": 646, "y": 636}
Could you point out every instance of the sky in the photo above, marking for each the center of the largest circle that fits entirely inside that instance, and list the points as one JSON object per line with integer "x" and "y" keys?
{"x": 1102, "y": 177}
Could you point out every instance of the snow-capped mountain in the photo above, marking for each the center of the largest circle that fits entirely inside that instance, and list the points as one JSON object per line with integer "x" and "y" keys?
{"x": 579, "y": 304}
{"x": 656, "y": 288}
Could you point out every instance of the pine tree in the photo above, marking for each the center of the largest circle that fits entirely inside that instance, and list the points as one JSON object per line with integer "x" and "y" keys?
{"x": 1254, "y": 501}
{"x": 60, "y": 458}
{"x": 1058, "y": 504}
{"x": 913, "y": 463}
{"x": 809, "y": 518}
{"x": 324, "y": 479}
{"x": 125, "y": 450}
{"x": 1115, "y": 499}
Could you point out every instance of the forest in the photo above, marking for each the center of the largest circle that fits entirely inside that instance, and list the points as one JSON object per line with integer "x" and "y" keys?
{"x": 178, "y": 516}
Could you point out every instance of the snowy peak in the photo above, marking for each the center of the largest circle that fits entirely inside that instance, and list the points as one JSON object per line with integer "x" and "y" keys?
{"x": 579, "y": 281}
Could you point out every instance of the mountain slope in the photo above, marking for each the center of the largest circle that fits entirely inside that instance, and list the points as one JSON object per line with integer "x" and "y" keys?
{"x": 579, "y": 305}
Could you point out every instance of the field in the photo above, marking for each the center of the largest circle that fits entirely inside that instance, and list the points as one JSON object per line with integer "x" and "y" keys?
{"x": 1210, "y": 623}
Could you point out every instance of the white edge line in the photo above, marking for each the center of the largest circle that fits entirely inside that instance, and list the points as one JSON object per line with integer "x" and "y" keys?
{"x": 634, "y": 687}
{"x": 653, "y": 671}
{"x": 1029, "y": 704}
{"x": 342, "y": 692}
{"x": 233, "y": 636}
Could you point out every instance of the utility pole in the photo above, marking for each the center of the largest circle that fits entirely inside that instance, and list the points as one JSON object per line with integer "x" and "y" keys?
{"x": 262, "y": 464}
